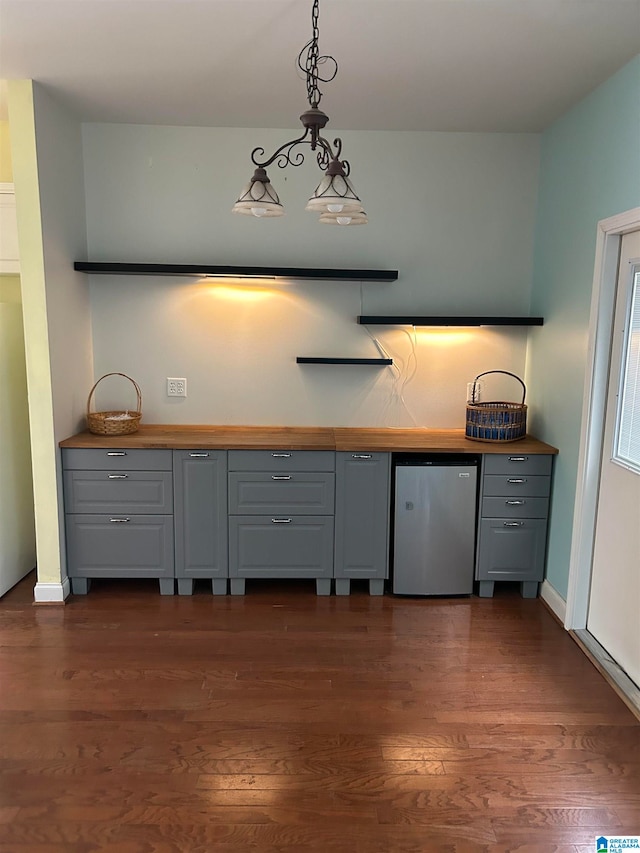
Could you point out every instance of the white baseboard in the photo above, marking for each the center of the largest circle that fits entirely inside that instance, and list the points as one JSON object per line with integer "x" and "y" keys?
{"x": 51, "y": 593}
{"x": 553, "y": 600}
{"x": 614, "y": 674}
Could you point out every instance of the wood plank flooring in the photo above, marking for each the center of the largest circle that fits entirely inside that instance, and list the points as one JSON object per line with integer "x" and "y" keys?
{"x": 280, "y": 721}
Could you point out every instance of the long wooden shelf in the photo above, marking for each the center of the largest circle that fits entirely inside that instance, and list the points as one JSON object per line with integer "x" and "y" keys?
{"x": 376, "y": 362}
{"x": 226, "y": 271}
{"x": 449, "y": 320}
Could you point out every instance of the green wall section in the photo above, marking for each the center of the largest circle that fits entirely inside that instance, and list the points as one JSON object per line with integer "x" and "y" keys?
{"x": 590, "y": 170}
{"x": 6, "y": 169}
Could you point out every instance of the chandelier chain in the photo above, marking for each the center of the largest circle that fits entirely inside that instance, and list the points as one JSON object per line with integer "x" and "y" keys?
{"x": 309, "y": 58}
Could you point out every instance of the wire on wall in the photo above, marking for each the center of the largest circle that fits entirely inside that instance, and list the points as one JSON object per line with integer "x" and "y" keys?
{"x": 403, "y": 375}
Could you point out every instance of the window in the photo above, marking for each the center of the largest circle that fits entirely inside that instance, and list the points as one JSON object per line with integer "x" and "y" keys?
{"x": 627, "y": 440}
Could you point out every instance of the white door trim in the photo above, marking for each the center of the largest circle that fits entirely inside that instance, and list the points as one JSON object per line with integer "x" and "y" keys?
{"x": 605, "y": 275}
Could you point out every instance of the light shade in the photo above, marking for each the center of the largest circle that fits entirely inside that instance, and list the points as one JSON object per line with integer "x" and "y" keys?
{"x": 346, "y": 217}
{"x": 258, "y": 197}
{"x": 334, "y": 193}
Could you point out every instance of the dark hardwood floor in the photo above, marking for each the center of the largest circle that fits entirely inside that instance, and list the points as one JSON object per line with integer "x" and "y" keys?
{"x": 134, "y": 723}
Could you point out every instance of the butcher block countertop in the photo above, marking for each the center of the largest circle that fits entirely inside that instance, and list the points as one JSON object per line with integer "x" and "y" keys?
{"x": 305, "y": 438}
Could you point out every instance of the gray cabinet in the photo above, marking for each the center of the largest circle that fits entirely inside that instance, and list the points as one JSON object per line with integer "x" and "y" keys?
{"x": 282, "y": 461}
{"x": 362, "y": 520}
{"x": 232, "y": 515}
{"x": 118, "y": 546}
{"x": 281, "y": 516}
{"x": 297, "y": 492}
{"x": 119, "y": 515}
{"x": 512, "y": 530}
{"x": 136, "y": 492}
{"x": 280, "y": 547}
{"x": 200, "y": 514}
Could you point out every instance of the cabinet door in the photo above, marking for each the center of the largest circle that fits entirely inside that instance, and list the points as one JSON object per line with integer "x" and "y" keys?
{"x": 120, "y": 546}
{"x": 280, "y": 547}
{"x": 511, "y": 550}
{"x": 362, "y": 515}
{"x": 200, "y": 513}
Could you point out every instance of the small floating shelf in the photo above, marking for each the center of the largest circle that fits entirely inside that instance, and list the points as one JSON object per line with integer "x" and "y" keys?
{"x": 421, "y": 320}
{"x": 225, "y": 271}
{"x": 376, "y": 362}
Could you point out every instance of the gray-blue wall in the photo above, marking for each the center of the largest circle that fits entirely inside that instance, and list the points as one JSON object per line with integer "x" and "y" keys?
{"x": 590, "y": 170}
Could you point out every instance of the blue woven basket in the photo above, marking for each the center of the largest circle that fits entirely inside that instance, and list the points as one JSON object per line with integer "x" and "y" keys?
{"x": 496, "y": 421}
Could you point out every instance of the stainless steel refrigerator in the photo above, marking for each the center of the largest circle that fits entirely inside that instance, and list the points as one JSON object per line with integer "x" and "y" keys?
{"x": 434, "y": 529}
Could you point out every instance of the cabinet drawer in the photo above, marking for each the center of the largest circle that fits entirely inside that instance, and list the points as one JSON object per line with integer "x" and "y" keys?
{"x": 515, "y": 465}
{"x": 297, "y": 493}
{"x": 511, "y": 550}
{"x": 119, "y": 492}
{"x": 114, "y": 458}
{"x": 280, "y": 546}
{"x": 516, "y": 507}
{"x": 281, "y": 461}
{"x": 121, "y": 546}
{"x": 535, "y": 487}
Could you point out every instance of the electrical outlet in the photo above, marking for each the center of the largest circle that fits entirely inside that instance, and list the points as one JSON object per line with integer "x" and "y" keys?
{"x": 176, "y": 386}
{"x": 478, "y": 385}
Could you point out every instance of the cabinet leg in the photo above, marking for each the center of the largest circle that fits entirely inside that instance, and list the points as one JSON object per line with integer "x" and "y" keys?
{"x": 219, "y": 586}
{"x": 529, "y": 589}
{"x": 237, "y": 586}
{"x": 185, "y": 586}
{"x": 376, "y": 586}
{"x": 343, "y": 586}
{"x": 323, "y": 586}
{"x": 167, "y": 586}
{"x": 80, "y": 586}
{"x": 486, "y": 589}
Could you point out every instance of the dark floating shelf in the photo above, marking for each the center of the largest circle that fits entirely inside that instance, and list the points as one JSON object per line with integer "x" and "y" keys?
{"x": 415, "y": 320}
{"x": 218, "y": 271}
{"x": 378, "y": 362}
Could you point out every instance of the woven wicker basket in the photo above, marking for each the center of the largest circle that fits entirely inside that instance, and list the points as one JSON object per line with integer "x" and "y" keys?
{"x": 114, "y": 423}
{"x": 497, "y": 421}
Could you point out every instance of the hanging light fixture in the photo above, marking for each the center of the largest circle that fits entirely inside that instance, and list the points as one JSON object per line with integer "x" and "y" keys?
{"x": 335, "y": 198}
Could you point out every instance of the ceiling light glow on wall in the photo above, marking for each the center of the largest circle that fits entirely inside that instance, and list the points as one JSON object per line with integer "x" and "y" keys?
{"x": 335, "y": 198}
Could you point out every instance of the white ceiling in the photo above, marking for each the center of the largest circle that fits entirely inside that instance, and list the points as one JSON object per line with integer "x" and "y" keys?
{"x": 458, "y": 65}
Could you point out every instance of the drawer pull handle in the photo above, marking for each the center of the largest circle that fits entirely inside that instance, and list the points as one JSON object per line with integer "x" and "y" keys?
{"x": 518, "y": 458}
{"x": 281, "y": 455}
{"x": 361, "y": 455}
{"x": 517, "y": 480}
{"x": 198, "y": 455}
{"x": 119, "y": 520}
{"x": 281, "y": 521}
{"x": 116, "y": 453}
{"x": 281, "y": 476}
{"x": 117, "y": 476}
{"x": 515, "y": 503}
{"x": 512, "y": 523}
